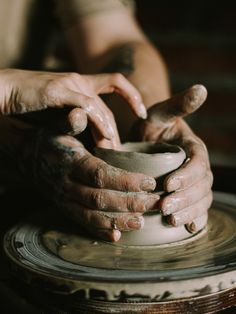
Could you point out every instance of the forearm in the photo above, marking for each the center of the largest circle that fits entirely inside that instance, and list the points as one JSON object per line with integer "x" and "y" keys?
{"x": 144, "y": 68}
{"x": 101, "y": 43}
{"x": 125, "y": 49}
{"x": 143, "y": 65}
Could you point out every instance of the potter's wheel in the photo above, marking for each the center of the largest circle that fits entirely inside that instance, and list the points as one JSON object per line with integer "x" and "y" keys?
{"x": 96, "y": 276}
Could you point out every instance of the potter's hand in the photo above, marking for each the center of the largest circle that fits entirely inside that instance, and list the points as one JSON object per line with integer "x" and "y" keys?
{"x": 189, "y": 186}
{"x": 26, "y": 91}
{"x": 103, "y": 199}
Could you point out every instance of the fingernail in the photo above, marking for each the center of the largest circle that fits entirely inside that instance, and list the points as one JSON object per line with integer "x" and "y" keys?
{"x": 192, "y": 228}
{"x": 77, "y": 129}
{"x": 116, "y": 235}
{"x": 107, "y": 235}
{"x": 152, "y": 202}
{"x": 77, "y": 121}
{"x": 174, "y": 220}
{"x": 136, "y": 223}
{"x": 110, "y": 132}
{"x": 173, "y": 185}
{"x": 148, "y": 184}
{"x": 142, "y": 111}
{"x": 168, "y": 209}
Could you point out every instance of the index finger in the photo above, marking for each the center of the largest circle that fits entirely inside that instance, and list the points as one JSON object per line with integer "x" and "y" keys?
{"x": 95, "y": 110}
{"x": 116, "y": 82}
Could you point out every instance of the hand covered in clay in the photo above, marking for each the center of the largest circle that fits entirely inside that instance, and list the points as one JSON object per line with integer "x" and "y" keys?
{"x": 103, "y": 199}
{"x": 189, "y": 187}
{"x": 27, "y": 91}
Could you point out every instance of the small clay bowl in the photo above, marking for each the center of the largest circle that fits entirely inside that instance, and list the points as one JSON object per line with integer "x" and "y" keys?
{"x": 152, "y": 159}
{"x": 155, "y": 160}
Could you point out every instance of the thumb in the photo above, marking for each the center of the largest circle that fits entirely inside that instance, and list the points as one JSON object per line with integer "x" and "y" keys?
{"x": 65, "y": 120}
{"x": 179, "y": 105}
{"x": 75, "y": 122}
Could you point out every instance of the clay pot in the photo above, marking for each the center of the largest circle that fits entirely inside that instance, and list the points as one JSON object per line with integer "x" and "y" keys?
{"x": 156, "y": 160}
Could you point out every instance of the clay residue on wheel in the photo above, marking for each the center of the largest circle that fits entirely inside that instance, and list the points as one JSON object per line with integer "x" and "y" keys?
{"x": 206, "y": 248}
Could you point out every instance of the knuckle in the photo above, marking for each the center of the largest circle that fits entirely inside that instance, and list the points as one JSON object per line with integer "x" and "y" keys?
{"x": 130, "y": 204}
{"x": 200, "y": 167}
{"x": 118, "y": 78}
{"x": 91, "y": 101}
{"x": 72, "y": 76}
{"x": 211, "y": 178}
{"x": 120, "y": 221}
{"x": 50, "y": 93}
{"x": 204, "y": 166}
{"x": 98, "y": 199}
{"x": 128, "y": 181}
{"x": 210, "y": 198}
{"x": 99, "y": 175}
{"x": 90, "y": 104}
{"x": 135, "y": 204}
{"x": 125, "y": 184}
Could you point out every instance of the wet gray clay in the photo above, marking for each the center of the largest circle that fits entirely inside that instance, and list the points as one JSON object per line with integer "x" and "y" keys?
{"x": 156, "y": 160}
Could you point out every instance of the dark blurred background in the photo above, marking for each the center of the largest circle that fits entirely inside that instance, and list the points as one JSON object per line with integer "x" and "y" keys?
{"x": 198, "y": 41}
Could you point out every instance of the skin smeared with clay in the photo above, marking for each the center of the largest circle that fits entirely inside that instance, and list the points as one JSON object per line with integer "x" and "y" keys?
{"x": 86, "y": 188}
{"x": 156, "y": 160}
{"x": 27, "y": 91}
{"x": 189, "y": 186}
